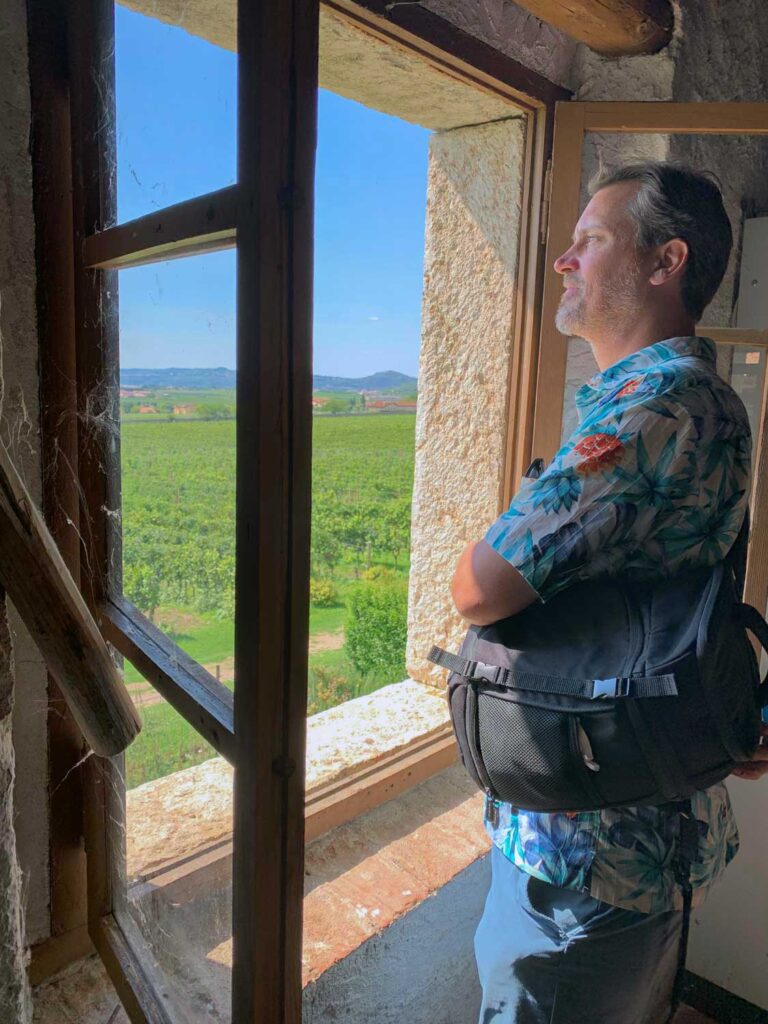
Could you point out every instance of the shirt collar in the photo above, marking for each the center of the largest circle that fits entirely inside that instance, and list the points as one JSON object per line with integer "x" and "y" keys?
{"x": 638, "y": 363}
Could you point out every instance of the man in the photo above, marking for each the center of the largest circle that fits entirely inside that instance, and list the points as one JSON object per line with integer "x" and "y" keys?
{"x": 583, "y": 920}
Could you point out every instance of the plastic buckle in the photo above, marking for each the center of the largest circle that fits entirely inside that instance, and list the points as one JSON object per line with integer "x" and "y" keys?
{"x": 605, "y": 688}
{"x": 488, "y": 673}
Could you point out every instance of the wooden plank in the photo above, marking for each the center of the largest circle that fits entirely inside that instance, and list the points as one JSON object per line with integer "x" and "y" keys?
{"x": 451, "y": 49}
{"x": 756, "y": 585}
{"x": 277, "y": 114}
{"x": 522, "y": 389}
{"x": 203, "y": 701}
{"x": 610, "y": 27}
{"x": 135, "y": 985}
{"x": 38, "y": 582}
{"x": 735, "y": 336}
{"x": 563, "y": 215}
{"x": 57, "y": 952}
{"x": 54, "y": 258}
{"x": 677, "y": 118}
{"x": 204, "y": 224}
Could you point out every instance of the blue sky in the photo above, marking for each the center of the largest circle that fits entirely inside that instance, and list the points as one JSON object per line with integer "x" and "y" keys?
{"x": 176, "y": 130}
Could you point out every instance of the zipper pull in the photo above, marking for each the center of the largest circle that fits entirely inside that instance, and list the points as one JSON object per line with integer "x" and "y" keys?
{"x": 585, "y": 747}
{"x": 491, "y": 809}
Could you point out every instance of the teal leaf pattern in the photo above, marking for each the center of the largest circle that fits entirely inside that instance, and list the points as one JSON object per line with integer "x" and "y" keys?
{"x": 653, "y": 481}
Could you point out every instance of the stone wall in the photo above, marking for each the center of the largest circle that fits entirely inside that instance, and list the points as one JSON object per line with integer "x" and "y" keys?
{"x": 18, "y": 431}
{"x": 470, "y": 264}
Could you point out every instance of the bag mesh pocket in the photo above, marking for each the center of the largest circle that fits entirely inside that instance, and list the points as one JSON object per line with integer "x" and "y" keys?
{"x": 530, "y": 755}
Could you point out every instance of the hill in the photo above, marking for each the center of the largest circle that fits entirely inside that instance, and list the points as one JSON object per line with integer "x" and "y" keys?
{"x": 384, "y": 380}
{"x": 184, "y": 378}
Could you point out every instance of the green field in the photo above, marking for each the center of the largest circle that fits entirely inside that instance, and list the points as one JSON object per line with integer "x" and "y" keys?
{"x": 178, "y": 557}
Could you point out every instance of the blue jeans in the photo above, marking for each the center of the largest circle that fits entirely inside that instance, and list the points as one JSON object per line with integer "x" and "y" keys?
{"x": 555, "y": 956}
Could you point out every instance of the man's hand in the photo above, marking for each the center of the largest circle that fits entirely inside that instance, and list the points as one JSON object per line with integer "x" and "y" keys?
{"x": 758, "y": 766}
{"x": 487, "y": 588}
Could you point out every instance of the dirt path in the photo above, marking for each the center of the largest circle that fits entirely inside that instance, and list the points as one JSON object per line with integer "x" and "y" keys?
{"x": 144, "y": 695}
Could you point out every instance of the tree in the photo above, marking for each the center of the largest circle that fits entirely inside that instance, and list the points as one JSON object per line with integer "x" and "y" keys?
{"x": 326, "y": 548}
{"x": 396, "y": 528}
{"x": 141, "y": 585}
{"x": 336, "y": 405}
{"x": 376, "y": 629}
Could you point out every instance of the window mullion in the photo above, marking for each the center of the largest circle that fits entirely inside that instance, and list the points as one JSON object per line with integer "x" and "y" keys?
{"x": 203, "y": 224}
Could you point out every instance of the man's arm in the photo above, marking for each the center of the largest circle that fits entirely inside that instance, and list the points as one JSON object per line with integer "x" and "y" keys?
{"x": 487, "y": 588}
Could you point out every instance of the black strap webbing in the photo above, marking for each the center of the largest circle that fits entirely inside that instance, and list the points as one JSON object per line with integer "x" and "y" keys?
{"x": 615, "y": 686}
{"x": 737, "y": 556}
{"x": 686, "y": 854}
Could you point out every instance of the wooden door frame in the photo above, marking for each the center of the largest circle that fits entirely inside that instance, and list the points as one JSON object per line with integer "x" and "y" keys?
{"x": 572, "y": 123}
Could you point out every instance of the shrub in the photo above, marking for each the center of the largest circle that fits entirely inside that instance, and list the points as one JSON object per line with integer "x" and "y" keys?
{"x": 327, "y": 689}
{"x": 376, "y": 628}
{"x": 322, "y": 593}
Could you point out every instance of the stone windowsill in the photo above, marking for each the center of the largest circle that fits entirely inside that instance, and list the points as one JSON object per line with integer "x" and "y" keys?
{"x": 189, "y": 811}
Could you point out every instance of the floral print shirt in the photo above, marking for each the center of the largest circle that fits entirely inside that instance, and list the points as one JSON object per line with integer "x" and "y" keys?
{"x": 654, "y": 480}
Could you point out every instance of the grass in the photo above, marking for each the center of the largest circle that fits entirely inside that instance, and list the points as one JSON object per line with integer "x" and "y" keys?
{"x": 178, "y": 482}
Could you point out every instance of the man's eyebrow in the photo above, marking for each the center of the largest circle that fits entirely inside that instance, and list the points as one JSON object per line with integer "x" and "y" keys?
{"x": 592, "y": 226}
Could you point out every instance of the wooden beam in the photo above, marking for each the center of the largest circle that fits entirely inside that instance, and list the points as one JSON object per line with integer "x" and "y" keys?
{"x": 38, "y": 582}
{"x": 610, "y": 27}
{"x": 735, "y": 336}
{"x": 677, "y": 118}
{"x": 54, "y": 262}
{"x": 449, "y": 48}
{"x": 204, "y": 224}
{"x": 277, "y": 132}
{"x": 563, "y": 214}
{"x": 199, "y": 698}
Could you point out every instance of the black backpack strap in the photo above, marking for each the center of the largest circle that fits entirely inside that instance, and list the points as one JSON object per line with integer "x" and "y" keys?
{"x": 755, "y": 623}
{"x": 686, "y": 854}
{"x": 591, "y": 689}
{"x": 737, "y": 556}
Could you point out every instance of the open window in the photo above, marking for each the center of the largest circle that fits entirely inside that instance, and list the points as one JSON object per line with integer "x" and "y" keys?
{"x": 195, "y": 839}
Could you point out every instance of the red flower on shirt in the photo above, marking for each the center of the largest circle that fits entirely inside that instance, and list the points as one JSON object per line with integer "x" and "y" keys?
{"x": 598, "y": 451}
{"x": 630, "y": 387}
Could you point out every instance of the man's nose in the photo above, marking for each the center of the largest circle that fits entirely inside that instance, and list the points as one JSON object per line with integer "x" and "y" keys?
{"x": 567, "y": 262}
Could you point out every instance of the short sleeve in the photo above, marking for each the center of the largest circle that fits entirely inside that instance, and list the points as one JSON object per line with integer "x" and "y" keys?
{"x": 646, "y": 489}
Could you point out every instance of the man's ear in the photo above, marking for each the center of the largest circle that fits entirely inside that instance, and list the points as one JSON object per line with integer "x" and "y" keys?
{"x": 671, "y": 261}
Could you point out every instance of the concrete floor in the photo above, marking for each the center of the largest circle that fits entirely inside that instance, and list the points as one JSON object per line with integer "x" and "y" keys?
{"x": 83, "y": 994}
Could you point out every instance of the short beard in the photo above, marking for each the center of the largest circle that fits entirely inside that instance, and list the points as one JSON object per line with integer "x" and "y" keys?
{"x": 615, "y": 308}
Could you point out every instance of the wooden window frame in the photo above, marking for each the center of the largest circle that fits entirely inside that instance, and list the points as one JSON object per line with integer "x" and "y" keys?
{"x": 572, "y": 123}
{"x": 78, "y": 334}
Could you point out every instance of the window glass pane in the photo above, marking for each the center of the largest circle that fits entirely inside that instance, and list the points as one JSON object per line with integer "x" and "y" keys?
{"x": 739, "y": 166}
{"x": 177, "y": 404}
{"x": 370, "y": 203}
{"x": 747, "y": 376}
{"x": 176, "y": 89}
{"x": 175, "y": 891}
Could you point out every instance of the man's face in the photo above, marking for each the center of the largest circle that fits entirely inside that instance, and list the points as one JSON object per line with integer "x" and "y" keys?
{"x": 603, "y": 274}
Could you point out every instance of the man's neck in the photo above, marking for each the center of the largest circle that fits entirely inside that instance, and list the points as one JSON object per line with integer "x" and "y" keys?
{"x": 612, "y": 348}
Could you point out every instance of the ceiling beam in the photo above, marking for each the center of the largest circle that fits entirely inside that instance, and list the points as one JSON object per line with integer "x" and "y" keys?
{"x": 610, "y": 27}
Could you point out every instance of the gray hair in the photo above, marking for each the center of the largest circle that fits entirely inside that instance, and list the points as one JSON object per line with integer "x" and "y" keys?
{"x": 677, "y": 202}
